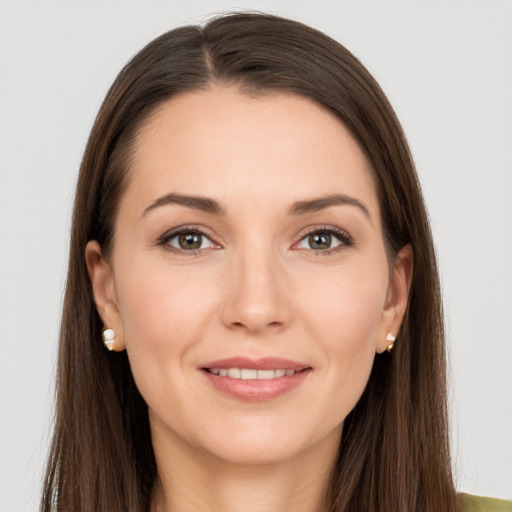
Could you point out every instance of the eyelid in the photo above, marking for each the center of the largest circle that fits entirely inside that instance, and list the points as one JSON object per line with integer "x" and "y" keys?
{"x": 164, "y": 239}
{"x": 342, "y": 235}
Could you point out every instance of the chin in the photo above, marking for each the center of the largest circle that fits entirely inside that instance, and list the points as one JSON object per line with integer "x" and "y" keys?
{"x": 269, "y": 444}
{"x": 254, "y": 453}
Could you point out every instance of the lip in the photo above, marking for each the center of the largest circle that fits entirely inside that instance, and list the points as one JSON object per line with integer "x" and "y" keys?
{"x": 255, "y": 390}
{"x": 263, "y": 363}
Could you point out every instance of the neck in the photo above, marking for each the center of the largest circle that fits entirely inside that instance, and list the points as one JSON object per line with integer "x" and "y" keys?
{"x": 196, "y": 482}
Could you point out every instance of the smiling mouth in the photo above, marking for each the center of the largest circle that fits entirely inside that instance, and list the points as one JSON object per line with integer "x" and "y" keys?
{"x": 255, "y": 380}
{"x": 252, "y": 374}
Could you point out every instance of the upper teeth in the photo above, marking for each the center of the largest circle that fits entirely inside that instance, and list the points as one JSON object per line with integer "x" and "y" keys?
{"x": 247, "y": 374}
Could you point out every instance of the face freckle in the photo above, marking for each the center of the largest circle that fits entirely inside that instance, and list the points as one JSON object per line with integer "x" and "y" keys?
{"x": 292, "y": 268}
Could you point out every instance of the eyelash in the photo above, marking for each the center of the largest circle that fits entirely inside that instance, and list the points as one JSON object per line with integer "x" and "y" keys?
{"x": 345, "y": 239}
{"x": 164, "y": 240}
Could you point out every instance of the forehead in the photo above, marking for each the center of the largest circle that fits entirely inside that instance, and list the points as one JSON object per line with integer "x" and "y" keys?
{"x": 270, "y": 147}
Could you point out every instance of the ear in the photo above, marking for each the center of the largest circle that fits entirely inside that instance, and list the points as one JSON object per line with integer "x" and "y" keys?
{"x": 103, "y": 288}
{"x": 397, "y": 297}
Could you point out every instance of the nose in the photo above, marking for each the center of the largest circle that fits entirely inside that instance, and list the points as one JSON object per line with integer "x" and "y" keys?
{"x": 256, "y": 297}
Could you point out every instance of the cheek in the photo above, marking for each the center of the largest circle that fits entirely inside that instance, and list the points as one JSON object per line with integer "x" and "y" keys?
{"x": 158, "y": 306}
{"x": 345, "y": 320}
{"x": 162, "y": 322}
{"x": 348, "y": 308}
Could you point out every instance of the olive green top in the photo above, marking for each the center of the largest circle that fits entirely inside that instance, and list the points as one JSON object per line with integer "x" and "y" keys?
{"x": 478, "y": 504}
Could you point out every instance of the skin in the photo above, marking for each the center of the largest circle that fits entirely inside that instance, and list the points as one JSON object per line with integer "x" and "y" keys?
{"x": 257, "y": 287}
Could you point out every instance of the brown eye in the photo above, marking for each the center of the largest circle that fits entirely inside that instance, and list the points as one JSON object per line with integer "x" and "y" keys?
{"x": 324, "y": 240}
{"x": 189, "y": 241}
{"x": 320, "y": 241}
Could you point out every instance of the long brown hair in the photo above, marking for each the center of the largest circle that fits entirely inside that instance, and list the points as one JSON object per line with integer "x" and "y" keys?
{"x": 395, "y": 453}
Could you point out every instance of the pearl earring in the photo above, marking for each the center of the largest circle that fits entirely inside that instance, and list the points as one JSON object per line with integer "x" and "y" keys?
{"x": 391, "y": 340}
{"x": 109, "y": 336}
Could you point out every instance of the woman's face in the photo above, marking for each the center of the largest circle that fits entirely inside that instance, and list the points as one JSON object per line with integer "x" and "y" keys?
{"x": 248, "y": 279}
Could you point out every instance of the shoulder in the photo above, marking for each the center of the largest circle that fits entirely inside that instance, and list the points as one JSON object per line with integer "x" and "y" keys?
{"x": 472, "y": 503}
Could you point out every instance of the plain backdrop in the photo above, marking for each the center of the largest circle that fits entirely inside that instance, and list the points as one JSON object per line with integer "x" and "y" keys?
{"x": 447, "y": 68}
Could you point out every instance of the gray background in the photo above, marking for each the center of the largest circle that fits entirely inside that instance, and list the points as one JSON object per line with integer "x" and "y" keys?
{"x": 447, "y": 68}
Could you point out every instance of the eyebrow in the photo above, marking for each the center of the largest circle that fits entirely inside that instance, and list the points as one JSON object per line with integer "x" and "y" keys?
{"x": 321, "y": 203}
{"x": 203, "y": 204}
{"x": 211, "y": 206}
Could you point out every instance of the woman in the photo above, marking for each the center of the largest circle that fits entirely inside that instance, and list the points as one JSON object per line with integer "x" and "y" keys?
{"x": 250, "y": 242}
